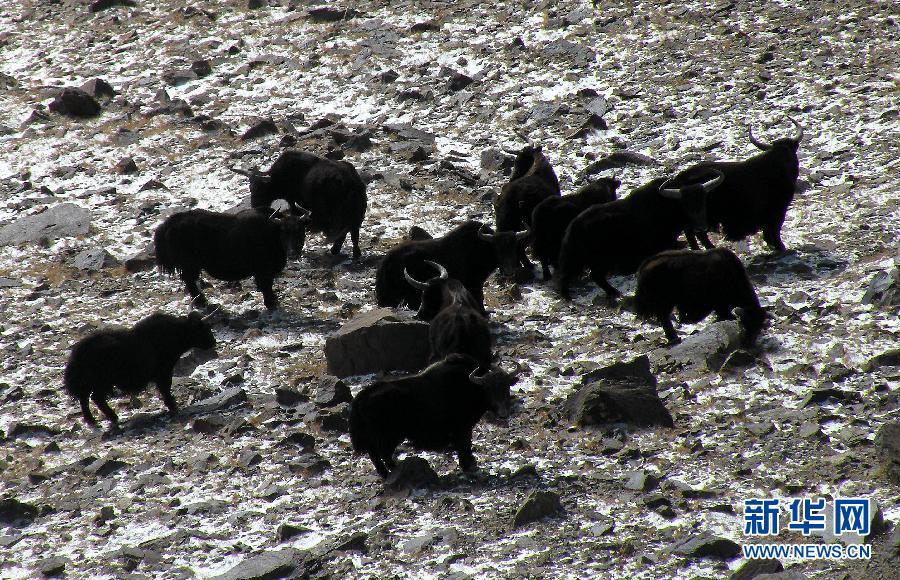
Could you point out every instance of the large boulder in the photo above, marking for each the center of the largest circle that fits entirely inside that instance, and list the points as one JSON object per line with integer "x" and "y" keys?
{"x": 887, "y": 441}
{"x": 622, "y": 392}
{"x": 77, "y": 103}
{"x": 380, "y": 340}
{"x": 706, "y": 350}
{"x": 284, "y": 563}
{"x": 60, "y": 221}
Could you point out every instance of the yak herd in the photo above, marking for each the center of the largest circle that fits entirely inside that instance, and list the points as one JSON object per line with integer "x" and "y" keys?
{"x": 442, "y": 278}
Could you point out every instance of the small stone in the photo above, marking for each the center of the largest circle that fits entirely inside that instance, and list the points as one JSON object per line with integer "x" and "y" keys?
{"x": 641, "y": 481}
{"x": 98, "y": 5}
{"x": 249, "y": 458}
{"x": 809, "y": 429}
{"x": 259, "y": 129}
{"x": 411, "y": 473}
{"x": 538, "y": 505}
{"x": 107, "y": 513}
{"x": 753, "y": 568}
{"x": 126, "y": 166}
{"x": 331, "y": 391}
{"x": 94, "y": 260}
{"x": 53, "y": 566}
{"x": 887, "y": 442}
{"x": 704, "y": 545}
{"x": 105, "y": 467}
{"x": 287, "y": 531}
{"x": 14, "y": 512}
{"x": 289, "y": 397}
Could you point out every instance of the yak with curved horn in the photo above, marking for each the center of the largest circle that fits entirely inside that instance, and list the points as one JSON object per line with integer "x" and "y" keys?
{"x": 470, "y": 252}
{"x": 332, "y": 191}
{"x": 619, "y": 235}
{"x": 457, "y": 324}
{"x": 756, "y": 192}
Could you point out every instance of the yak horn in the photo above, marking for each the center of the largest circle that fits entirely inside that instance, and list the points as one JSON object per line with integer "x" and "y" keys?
{"x": 758, "y": 144}
{"x": 670, "y": 192}
{"x": 714, "y": 182}
{"x": 799, "y": 136}
{"x": 442, "y": 271}
{"x": 244, "y": 172}
{"x": 305, "y": 216}
{"x": 274, "y": 213}
{"x": 478, "y": 380}
{"x": 413, "y": 282}
{"x": 517, "y": 368}
{"x": 523, "y": 235}
{"x": 208, "y": 316}
{"x": 484, "y": 235}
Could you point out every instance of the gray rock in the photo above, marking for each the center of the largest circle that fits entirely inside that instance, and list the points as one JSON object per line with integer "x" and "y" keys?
{"x": 98, "y": 88}
{"x": 193, "y": 359}
{"x": 707, "y": 546}
{"x": 52, "y": 567}
{"x": 15, "y": 513}
{"x": 411, "y": 473}
{"x": 126, "y": 166}
{"x": 415, "y": 545}
{"x": 284, "y": 563}
{"x": 887, "y": 441}
{"x": 641, "y": 480}
{"x": 261, "y": 128}
{"x": 622, "y": 392}
{"x": 381, "y": 340}
{"x": 287, "y": 531}
{"x": 573, "y": 54}
{"x": 753, "y": 568}
{"x": 888, "y": 358}
{"x": 105, "y": 467}
{"x": 537, "y": 506}
{"x": 790, "y": 574}
{"x": 225, "y": 399}
{"x": 289, "y": 397}
{"x": 94, "y": 260}
{"x": 22, "y": 429}
{"x": 706, "y": 350}
{"x": 60, "y": 221}
{"x": 884, "y": 289}
{"x": 331, "y": 14}
{"x": 141, "y": 261}
{"x": 76, "y": 103}
{"x": 618, "y": 159}
{"x": 331, "y": 391}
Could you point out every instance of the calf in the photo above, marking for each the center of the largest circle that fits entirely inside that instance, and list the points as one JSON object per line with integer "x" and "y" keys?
{"x": 697, "y": 283}
{"x": 551, "y": 217}
{"x": 228, "y": 247}
{"x": 532, "y": 181}
{"x": 434, "y": 409}
{"x": 129, "y": 359}
{"x": 457, "y": 324}
{"x": 619, "y": 235}
{"x": 470, "y": 252}
{"x": 755, "y": 193}
{"x": 332, "y": 191}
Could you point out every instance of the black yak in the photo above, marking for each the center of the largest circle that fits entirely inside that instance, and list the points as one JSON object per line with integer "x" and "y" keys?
{"x": 457, "y": 324}
{"x": 532, "y": 181}
{"x": 470, "y": 252}
{"x": 755, "y": 194}
{"x": 551, "y": 217}
{"x": 697, "y": 284}
{"x": 619, "y": 235}
{"x": 228, "y": 247}
{"x": 435, "y": 409}
{"x": 332, "y": 191}
{"x": 130, "y": 359}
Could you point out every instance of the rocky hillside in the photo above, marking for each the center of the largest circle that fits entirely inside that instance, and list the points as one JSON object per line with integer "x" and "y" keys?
{"x": 256, "y": 475}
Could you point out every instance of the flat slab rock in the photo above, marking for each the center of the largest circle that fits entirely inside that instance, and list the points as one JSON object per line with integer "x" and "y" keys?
{"x": 537, "y": 506}
{"x": 60, "y": 221}
{"x": 707, "y": 546}
{"x": 284, "y": 563}
{"x": 706, "y": 350}
{"x": 381, "y": 340}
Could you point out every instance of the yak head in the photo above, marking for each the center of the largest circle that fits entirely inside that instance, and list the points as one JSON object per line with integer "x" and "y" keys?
{"x": 437, "y": 292}
{"x": 602, "y": 190}
{"x": 261, "y": 194}
{"x": 197, "y": 332}
{"x": 784, "y": 150}
{"x": 496, "y": 383}
{"x": 693, "y": 198}
{"x": 505, "y": 246}
{"x": 292, "y": 229}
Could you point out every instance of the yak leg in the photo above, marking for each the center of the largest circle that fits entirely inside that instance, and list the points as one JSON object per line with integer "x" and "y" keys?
{"x": 545, "y": 270}
{"x": 692, "y": 240}
{"x": 665, "y": 320}
{"x": 338, "y": 243}
{"x": 190, "y": 282}
{"x": 462, "y": 444}
{"x": 379, "y": 465}
{"x": 354, "y": 237}
{"x": 86, "y": 409}
{"x": 599, "y": 277}
{"x": 523, "y": 258}
{"x": 164, "y": 385}
{"x": 704, "y": 239}
{"x": 265, "y": 286}
{"x": 105, "y": 408}
{"x": 772, "y": 235}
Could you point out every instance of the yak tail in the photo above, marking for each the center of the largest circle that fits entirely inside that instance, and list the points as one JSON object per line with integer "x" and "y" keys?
{"x": 73, "y": 381}
{"x": 163, "y": 247}
{"x": 358, "y": 436}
